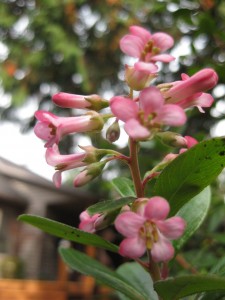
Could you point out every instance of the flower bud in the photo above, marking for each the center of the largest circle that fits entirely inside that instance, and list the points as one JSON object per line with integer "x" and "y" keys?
{"x": 113, "y": 132}
{"x": 93, "y": 102}
{"x": 89, "y": 173}
{"x": 172, "y": 139}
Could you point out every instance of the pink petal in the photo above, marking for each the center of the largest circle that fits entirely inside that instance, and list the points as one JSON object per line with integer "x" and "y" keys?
{"x": 129, "y": 223}
{"x": 204, "y": 100}
{"x": 57, "y": 179}
{"x": 132, "y": 247}
{"x": 157, "y": 208}
{"x": 163, "y": 58}
{"x": 171, "y": 115}
{"x": 162, "y": 250}
{"x": 141, "y": 32}
{"x": 123, "y": 108}
{"x": 162, "y": 40}
{"x": 42, "y": 130}
{"x": 172, "y": 228}
{"x": 67, "y": 161}
{"x": 145, "y": 67}
{"x": 135, "y": 130}
{"x": 151, "y": 100}
{"x": 131, "y": 45}
{"x": 190, "y": 141}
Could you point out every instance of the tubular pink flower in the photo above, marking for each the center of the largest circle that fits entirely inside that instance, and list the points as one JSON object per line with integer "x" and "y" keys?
{"x": 149, "y": 229}
{"x": 63, "y": 162}
{"x": 190, "y": 90}
{"x": 150, "y": 115}
{"x": 145, "y": 46}
{"x": 52, "y": 128}
{"x": 94, "y": 101}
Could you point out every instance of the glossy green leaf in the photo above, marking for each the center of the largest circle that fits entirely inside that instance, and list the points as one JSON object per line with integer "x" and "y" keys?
{"x": 124, "y": 186}
{"x": 67, "y": 232}
{"x": 109, "y": 206}
{"x": 191, "y": 172}
{"x": 176, "y": 288}
{"x": 194, "y": 213}
{"x": 86, "y": 265}
{"x": 138, "y": 278}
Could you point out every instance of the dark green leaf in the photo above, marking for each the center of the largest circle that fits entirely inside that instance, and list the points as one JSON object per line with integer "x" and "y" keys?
{"x": 176, "y": 288}
{"x": 124, "y": 186}
{"x": 86, "y": 265}
{"x": 194, "y": 213}
{"x": 139, "y": 278}
{"x": 68, "y": 232}
{"x": 109, "y": 206}
{"x": 191, "y": 172}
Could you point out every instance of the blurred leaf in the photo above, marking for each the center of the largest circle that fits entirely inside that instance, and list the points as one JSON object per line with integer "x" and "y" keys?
{"x": 138, "y": 278}
{"x": 124, "y": 186}
{"x": 194, "y": 213}
{"x": 67, "y": 232}
{"x": 176, "y": 288}
{"x": 86, "y": 265}
{"x": 192, "y": 171}
{"x": 109, "y": 206}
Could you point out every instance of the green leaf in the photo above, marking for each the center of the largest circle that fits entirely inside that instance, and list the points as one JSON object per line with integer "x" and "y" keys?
{"x": 109, "y": 206}
{"x": 124, "y": 186}
{"x": 139, "y": 278}
{"x": 67, "y": 232}
{"x": 194, "y": 213}
{"x": 191, "y": 172}
{"x": 86, "y": 265}
{"x": 176, "y": 288}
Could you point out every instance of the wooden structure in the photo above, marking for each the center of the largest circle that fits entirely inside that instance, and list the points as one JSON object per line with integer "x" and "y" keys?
{"x": 22, "y": 191}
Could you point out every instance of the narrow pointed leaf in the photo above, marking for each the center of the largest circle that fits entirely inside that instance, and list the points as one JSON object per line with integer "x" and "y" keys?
{"x": 139, "y": 278}
{"x": 86, "y": 265}
{"x": 176, "y": 288}
{"x": 194, "y": 213}
{"x": 191, "y": 172}
{"x": 67, "y": 232}
{"x": 109, "y": 206}
{"x": 124, "y": 186}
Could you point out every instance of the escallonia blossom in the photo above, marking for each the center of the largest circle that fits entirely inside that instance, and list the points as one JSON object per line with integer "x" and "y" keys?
{"x": 189, "y": 91}
{"x": 148, "y": 229}
{"x": 68, "y": 161}
{"x": 52, "y": 128}
{"x": 143, "y": 120}
{"x": 92, "y": 102}
{"x": 147, "y": 47}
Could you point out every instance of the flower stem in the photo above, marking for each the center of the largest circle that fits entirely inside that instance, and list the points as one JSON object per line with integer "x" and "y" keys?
{"x": 134, "y": 168}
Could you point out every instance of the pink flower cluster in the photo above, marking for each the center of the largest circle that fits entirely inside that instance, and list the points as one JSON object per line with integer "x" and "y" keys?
{"x": 146, "y": 115}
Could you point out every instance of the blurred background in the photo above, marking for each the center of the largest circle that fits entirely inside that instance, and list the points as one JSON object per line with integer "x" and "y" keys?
{"x": 47, "y": 46}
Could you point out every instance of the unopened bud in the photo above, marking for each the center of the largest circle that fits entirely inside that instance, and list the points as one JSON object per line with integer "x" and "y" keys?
{"x": 172, "y": 139}
{"x": 113, "y": 132}
{"x": 89, "y": 173}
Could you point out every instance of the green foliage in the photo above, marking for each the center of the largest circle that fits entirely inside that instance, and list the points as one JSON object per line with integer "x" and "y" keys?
{"x": 109, "y": 206}
{"x": 191, "y": 172}
{"x": 124, "y": 186}
{"x": 139, "y": 278}
{"x": 67, "y": 232}
{"x": 86, "y": 265}
{"x": 194, "y": 213}
{"x": 176, "y": 288}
